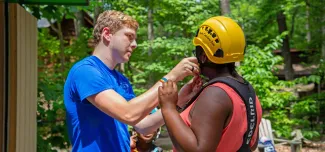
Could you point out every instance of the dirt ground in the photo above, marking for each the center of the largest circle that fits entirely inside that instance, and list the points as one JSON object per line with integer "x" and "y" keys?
{"x": 313, "y": 147}
{"x": 166, "y": 144}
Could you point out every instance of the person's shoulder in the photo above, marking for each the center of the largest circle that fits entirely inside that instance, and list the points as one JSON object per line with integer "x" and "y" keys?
{"x": 88, "y": 61}
{"x": 215, "y": 92}
{"x": 83, "y": 62}
{"x": 214, "y": 96}
{"x": 85, "y": 66}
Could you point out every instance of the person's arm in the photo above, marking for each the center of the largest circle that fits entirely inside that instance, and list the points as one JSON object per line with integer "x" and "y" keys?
{"x": 209, "y": 115}
{"x": 150, "y": 123}
{"x": 189, "y": 90}
{"x": 113, "y": 104}
{"x": 130, "y": 112}
{"x": 154, "y": 121}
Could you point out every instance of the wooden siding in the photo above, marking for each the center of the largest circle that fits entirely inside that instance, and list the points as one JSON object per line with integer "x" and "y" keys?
{"x": 2, "y": 76}
{"x": 23, "y": 80}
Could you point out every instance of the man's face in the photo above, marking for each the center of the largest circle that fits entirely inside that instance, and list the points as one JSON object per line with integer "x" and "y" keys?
{"x": 122, "y": 43}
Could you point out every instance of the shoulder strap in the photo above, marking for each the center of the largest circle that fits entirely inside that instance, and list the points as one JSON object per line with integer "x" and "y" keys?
{"x": 247, "y": 93}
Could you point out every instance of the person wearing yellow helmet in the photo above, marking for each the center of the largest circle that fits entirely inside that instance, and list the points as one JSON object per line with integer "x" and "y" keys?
{"x": 225, "y": 114}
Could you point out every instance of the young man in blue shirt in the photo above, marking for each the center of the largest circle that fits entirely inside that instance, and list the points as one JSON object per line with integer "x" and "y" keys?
{"x": 99, "y": 100}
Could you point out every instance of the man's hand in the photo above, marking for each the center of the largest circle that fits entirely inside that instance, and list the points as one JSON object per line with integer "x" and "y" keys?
{"x": 167, "y": 94}
{"x": 189, "y": 90}
{"x": 188, "y": 66}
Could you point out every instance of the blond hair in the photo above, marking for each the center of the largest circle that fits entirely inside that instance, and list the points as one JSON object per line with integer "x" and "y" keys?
{"x": 114, "y": 20}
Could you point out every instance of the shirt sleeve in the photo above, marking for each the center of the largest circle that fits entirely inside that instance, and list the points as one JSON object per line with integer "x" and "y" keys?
{"x": 89, "y": 81}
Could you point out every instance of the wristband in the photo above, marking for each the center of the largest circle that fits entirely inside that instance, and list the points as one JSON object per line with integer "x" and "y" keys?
{"x": 163, "y": 80}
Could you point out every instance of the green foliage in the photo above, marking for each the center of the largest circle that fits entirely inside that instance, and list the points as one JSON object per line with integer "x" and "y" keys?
{"x": 50, "y": 107}
{"x": 281, "y": 123}
{"x": 278, "y": 99}
{"x": 305, "y": 109}
{"x": 258, "y": 67}
{"x": 173, "y": 36}
{"x": 310, "y": 134}
{"x": 79, "y": 49}
{"x": 168, "y": 52}
{"x": 50, "y": 98}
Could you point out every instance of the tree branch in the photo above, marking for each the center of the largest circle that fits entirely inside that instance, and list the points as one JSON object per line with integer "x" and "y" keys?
{"x": 54, "y": 29}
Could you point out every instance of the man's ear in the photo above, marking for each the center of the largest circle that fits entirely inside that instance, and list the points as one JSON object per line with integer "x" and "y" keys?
{"x": 106, "y": 34}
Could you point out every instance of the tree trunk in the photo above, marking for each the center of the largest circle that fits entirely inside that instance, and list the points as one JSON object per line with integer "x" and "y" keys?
{"x": 61, "y": 39}
{"x": 120, "y": 67}
{"x": 323, "y": 35}
{"x": 150, "y": 31}
{"x": 285, "y": 50}
{"x": 130, "y": 69}
{"x": 224, "y": 7}
{"x": 79, "y": 22}
{"x": 97, "y": 11}
{"x": 293, "y": 18}
{"x": 62, "y": 56}
{"x": 150, "y": 38}
{"x": 307, "y": 26}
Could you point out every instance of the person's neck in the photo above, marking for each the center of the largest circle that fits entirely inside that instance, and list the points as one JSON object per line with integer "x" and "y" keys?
{"x": 105, "y": 56}
{"x": 225, "y": 73}
{"x": 217, "y": 73}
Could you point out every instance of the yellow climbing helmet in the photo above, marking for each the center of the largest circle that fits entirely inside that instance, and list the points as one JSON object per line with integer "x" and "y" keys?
{"x": 222, "y": 40}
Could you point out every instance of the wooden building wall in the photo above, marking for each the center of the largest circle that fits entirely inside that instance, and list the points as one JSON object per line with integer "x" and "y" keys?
{"x": 22, "y": 80}
{"x": 2, "y": 76}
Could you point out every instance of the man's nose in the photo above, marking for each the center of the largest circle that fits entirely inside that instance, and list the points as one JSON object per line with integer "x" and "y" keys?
{"x": 134, "y": 44}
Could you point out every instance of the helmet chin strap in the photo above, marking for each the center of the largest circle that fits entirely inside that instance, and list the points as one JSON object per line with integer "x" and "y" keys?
{"x": 205, "y": 64}
{"x": 198, "y": 53}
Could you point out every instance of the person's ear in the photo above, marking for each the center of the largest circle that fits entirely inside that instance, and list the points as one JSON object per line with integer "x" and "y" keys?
{"x": 106, "y": 34}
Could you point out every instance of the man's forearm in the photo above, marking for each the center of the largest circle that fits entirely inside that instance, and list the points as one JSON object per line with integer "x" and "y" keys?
{"x": 150, "y": 123}
{"x": 154, "y": 121}
{"x": 140, "y": 106}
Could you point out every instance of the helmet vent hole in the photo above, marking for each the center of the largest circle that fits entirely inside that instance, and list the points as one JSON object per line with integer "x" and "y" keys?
{"x": 217, "y": 40}
{"x": 218, "y": 53}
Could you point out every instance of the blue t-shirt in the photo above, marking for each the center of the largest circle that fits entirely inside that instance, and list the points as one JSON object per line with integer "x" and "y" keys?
{"x": 91, "y": 130}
